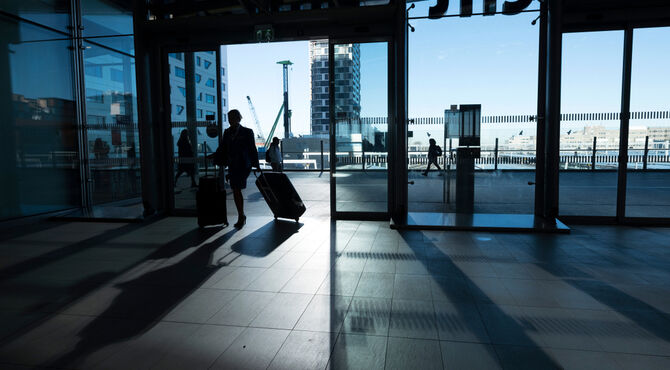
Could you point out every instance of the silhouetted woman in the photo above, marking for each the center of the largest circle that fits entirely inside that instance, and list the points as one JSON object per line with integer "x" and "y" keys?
{"x": 241, "y": 156}
{"x": 186, "y": 158}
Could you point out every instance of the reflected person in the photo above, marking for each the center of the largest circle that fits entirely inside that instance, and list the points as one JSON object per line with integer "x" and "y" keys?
{"x": 241, "y": 154}
{"x": 274, "y": 154}
{"x": 185, "y": 152}
{"x": 434, "y": 151}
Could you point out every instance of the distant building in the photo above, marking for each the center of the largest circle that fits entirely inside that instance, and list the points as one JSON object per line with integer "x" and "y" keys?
{"x": 205, "y": 91}
{"x": 347, "y": 84}
{"x": 205, "y": 82}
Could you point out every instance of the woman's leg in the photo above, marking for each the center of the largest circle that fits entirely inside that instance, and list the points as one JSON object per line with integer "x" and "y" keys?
{"x": 239, "y": 204}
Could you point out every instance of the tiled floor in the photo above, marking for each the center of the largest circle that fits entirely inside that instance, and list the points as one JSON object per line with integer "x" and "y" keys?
{"x": 165, "y": 295}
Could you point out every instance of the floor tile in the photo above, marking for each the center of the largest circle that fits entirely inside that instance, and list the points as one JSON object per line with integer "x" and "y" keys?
{"x": 413, "y": 319}
{"x": 283, "y": 311}
{"x": 242, "y": 309}
{"x": 405, "y": 353}
{"x": 304, "y": 350}
{"x": 375, "y": 285}
{"x": 324, "y": 313}
{"x": 253, "y": 349}
{"x": 412, "y": 287}
{"x": 272, "y": 279}
{"x": 368, "y": 316}
{"x": 354, "y": 351}
{"x": 469, "y": 356}
{"x": 201, "y": 305}
{"x": 305, "y": 282}
{"x": 200, "y": 350}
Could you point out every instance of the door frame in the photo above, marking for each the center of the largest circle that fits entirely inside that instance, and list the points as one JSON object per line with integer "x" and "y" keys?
{"x": 350, "y": 215}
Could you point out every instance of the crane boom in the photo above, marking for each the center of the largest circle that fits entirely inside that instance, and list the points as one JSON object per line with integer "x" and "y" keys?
{"x": 258, "y": 124}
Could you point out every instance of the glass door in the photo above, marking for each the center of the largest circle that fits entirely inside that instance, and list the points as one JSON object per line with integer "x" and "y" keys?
{"x": 195, "y": 109}
{"x": 359, "y": 110}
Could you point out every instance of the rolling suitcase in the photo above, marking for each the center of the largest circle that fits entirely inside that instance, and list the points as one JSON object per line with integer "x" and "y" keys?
{"x": 210, "y": 200}
{"x": 280, "y": 195}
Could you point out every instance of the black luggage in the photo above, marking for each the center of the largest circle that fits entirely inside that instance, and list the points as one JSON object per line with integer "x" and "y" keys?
{"x": 280, "y": 195}
{"x": 210, "y": 200}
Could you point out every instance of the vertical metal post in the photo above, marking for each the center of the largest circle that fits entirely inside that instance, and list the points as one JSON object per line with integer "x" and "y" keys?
{"x": 321, "y": 155}
{"x": 191, "y": 116}
{"x": 397, "y": 96}
{"x": 219, "y": 94}
{"x": 540, "y": 155}
{"x": 593, "y": 153}
{"x": 624, "y": 124}
{"x": 331, "y": 128}
{"x": 553, "y": 108}
{"x": 85, "y": 174}
{"x": 495, "y": 155}
{"x": 646, "y": 153}
{"x": 363, "y": 155}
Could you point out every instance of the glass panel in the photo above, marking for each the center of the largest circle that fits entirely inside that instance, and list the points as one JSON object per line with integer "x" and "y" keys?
{"x": 111, "y": 118}
{"x": 38, "y": 136}
{"x": 648, "y": 188}
{"x": 361, "y": 110}
{"x": 590, "y": 100}
{"x": 107, "y": 18}
{"x": 193, "y": 109}
{"x": 488, "y": 65}
{"x": 51, "y": 13}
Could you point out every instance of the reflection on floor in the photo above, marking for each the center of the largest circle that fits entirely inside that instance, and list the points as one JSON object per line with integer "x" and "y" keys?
{"x": 319, "y": 295}
{"x": 591, "y": 193}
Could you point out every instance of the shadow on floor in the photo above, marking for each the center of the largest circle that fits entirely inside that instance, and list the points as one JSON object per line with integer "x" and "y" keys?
{"x": 513, "y": 331}
{"x": 145, "y": 300}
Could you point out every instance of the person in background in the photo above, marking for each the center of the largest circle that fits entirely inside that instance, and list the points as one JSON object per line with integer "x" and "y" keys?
{"x": 186, "y": 158}
{"x": 434, "y": 151}
{"x": 241, "y": 156}
{"x": 274, "y": 154}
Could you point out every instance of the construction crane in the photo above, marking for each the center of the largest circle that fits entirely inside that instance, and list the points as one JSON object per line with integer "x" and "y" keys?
{"x": 259, "y": 133}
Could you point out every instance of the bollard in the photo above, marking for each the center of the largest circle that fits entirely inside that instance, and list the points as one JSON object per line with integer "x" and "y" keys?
{"x": 593, "y": 156}
{"x": 646, "y": 153}
{"x": 495, "y": 155}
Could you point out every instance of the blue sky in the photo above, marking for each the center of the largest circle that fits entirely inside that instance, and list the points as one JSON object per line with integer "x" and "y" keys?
{"x": 482, "y": 60}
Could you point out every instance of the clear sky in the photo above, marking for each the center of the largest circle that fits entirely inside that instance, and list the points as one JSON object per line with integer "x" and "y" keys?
{"x": 478, "y": 60}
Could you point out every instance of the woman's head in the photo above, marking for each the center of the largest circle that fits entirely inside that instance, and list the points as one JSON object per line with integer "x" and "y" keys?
{"x": 234, "y": 117}
{"x": 275, "y": 141}
{"x": 184, "y": 134}
{"x": 432, "y": 141}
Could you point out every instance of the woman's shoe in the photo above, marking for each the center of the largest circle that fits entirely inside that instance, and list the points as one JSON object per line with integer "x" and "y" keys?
{"x": 240, "y": 222}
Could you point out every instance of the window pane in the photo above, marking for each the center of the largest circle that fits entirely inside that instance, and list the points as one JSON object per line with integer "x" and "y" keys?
{"x": 106, "y": 18}
{"x": 361, "y": 129}
{"x": 38, "y": 136}
{"x": 490, "y": 62}
{"x": 591, "y": 84}
{"x": 648, "y": 188}
{"x": 113, "y": 141}
{"x": 51, "y": 13}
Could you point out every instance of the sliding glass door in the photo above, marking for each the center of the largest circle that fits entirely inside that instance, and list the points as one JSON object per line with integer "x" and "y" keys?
{"x": 358, "y": 96}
